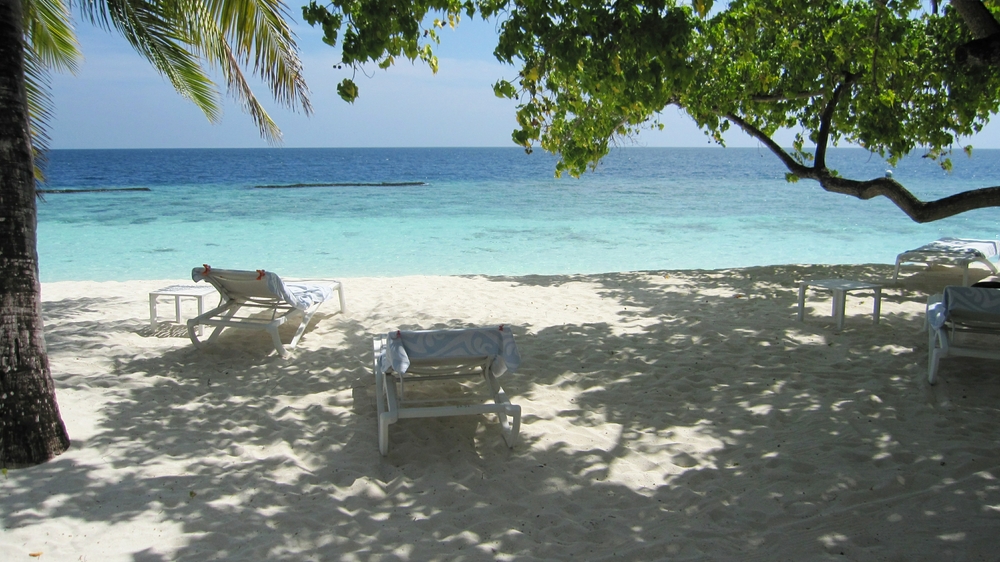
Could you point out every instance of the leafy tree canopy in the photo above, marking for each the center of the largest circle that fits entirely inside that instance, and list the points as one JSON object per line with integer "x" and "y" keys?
{"x": 891, "y": 76}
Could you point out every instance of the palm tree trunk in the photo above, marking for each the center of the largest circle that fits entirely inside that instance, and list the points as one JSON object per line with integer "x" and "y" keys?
{"x": 31, "y": 430}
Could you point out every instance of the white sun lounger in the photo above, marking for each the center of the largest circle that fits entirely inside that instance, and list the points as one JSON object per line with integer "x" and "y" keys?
{"x": 961, "y": 310}
{"x": 403, "y": 359}
{"x": 953, "y": 251}
{"x": 260, "y": 290}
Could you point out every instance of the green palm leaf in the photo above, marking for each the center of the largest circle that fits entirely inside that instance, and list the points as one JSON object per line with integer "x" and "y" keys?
{"x": 50, "y": 35}
{"x": 231, "y": 34}
{"x": 152, "y": 29}
{"x": 51, "y": 44}
{"x": 185, "y": 39}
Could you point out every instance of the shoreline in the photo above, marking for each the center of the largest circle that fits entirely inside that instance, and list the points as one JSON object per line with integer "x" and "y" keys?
{"x": 681, "y": 414}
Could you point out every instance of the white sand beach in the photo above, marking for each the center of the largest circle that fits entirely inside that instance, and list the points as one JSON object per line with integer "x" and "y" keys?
{"x": 680, "y": 415}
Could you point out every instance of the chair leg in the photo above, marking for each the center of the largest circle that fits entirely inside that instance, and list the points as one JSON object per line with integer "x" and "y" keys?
{"x": 377, "y": 352}
{"x": 306, "y": 317}
{"x": 802, "y": 300}
{"x": 381, "y": 398}
{"x": 839, "y": 308}
{"x": 191, "y": 334}
{"x": 383, "y": 434}
{"x": 934, "y": 356}
{"x": 194, "y": 325}
{"x": 152, "y": 312}
{"x": 385, "y": 403}
{"x": 380, "y": 393}
{"x": 215, "y": 334}
{"x": 194, "y": 329}
{"x": 278, "y": 346}
{"x": 509, "y": 429}
{"x": 227, "y": 316}
{"x": 877, "y": 307}
{"x": 340, "y": 292}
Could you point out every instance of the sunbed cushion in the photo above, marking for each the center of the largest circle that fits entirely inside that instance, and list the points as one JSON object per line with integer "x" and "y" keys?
{"x": 405, "y": 346}
{"x": 965, "y": 304}
{"x": 302, "y": 295}
{"x": 953, "y": 246}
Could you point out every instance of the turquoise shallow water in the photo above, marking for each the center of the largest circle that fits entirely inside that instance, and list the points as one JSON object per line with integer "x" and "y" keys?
{"x": 492, "y": 211}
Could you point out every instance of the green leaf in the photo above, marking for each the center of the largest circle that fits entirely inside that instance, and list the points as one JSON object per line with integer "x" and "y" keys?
{"x": 504, "y": 89}
{"x": 347, "y": 90}
{"x": 880, "y": 75}
{"x": 702, "y": 7}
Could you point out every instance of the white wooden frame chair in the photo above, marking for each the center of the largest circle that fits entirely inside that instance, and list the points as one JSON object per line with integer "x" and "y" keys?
{"x": 961, "y": 311}
{"x": 961, "y": 252}
{"x": 403, "y": 359}
{"x": 260, "y": 291}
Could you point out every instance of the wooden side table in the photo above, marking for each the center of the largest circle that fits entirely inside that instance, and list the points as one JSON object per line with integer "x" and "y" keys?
{"x": 179, "y": 292}
{"x": 840, "y": 288}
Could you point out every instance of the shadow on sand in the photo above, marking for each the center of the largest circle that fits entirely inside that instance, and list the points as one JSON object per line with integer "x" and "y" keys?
{"x": 669, "y": 435}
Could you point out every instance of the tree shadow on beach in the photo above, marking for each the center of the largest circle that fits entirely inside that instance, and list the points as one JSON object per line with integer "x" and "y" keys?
{"x": 667, "y": 435}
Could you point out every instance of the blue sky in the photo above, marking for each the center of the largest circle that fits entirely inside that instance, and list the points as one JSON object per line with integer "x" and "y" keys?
{"x": 117, "y": 100}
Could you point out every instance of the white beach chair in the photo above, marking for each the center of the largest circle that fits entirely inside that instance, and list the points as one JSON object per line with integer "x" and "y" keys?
{"x": 953, "y": 251}
{"x": 404, "y": 358}
{"x": 260, "y": 290}
{"x": 961, "y": 310}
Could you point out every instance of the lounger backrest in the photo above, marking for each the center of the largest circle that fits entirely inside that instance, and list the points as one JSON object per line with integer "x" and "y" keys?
{"x": 234, "y": 283}
{"x": 967, "y": 305}
{"x": 406, "y": 346}
{"x": 264, "y": 288}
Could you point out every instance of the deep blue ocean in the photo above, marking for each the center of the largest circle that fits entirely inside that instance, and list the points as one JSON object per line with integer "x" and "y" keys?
{"x": 494, "y": 211}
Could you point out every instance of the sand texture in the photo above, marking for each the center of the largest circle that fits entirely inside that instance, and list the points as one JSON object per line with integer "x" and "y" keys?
{"x": 681, "y": 415}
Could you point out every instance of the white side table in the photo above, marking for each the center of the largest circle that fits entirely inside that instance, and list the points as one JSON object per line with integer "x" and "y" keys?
{"x": 178, "y": 292}
{"x": 840, "y": 288}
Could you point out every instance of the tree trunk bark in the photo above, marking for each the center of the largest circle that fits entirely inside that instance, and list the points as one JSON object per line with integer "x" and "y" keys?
{"x": 977, "y": 17}
{"x": 985, "y": 48}
{"x": 31, "y": 430}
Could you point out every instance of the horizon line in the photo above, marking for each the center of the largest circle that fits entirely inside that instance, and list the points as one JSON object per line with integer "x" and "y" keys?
{"x": 540, "y": 150}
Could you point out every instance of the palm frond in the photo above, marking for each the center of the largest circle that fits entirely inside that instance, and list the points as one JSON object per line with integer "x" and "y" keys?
{"x": 49, "y": 31}
{"x": 39, "y": 92}
{"x": 50, "y": 44}
{"x": 211, "y": 42}
{"x": 153, "y": 30}
{"x": 180, "y": 36}
{"x": 258, "y": 32}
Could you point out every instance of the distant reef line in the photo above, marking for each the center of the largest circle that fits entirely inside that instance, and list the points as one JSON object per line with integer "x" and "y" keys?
{"x": 274, "y": 186}
{"x": 101, "y": 190}
{"x": 343, "y": 184}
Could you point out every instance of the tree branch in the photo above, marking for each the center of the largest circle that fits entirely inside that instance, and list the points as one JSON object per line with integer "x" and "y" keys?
{"x": 786, "y": 159}
{"x": 919, "y": 211}
{"x": 761, "y": 98}
{"x": 985, "y": 48}
{"x": 977, "y": 17}
{"x": 826, "y": 119}
{"x": 985, "y": 51}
